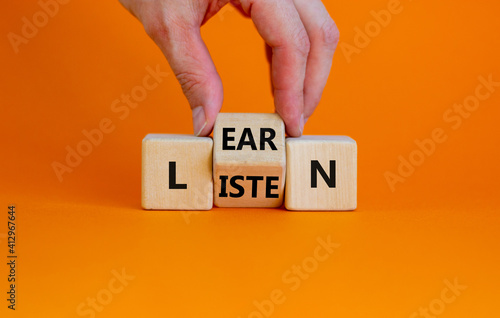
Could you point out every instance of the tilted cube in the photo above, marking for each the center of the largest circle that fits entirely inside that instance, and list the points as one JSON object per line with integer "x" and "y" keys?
{"x": 249, "y": 160}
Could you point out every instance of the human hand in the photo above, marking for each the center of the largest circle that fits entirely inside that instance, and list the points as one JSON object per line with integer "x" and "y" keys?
{"x": 300, "y": 33}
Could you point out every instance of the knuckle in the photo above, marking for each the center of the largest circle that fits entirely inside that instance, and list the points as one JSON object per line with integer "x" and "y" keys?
{"x": 190, "y": 82}
{"x": 164, "y": 28}
{"x": 156, "y": 28}
{"x": 329, "y": 34}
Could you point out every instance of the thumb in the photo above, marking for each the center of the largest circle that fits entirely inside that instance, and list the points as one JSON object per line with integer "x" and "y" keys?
{"x": 191, "y": 63}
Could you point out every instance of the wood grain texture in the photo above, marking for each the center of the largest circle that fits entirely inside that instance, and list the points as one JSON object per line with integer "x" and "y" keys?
{"x": 261, "y": 161}
{"x": 335, "y": 191}
{"x": 193, "y": 186}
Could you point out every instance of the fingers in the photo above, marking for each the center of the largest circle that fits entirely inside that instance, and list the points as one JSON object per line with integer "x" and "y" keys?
{"x": 178, "y": 36}
{"x": 323, "y": 35}
{"x": 269, "y": 57}
{"x": 300, "y": 33}
{"x": 279, "y": 24}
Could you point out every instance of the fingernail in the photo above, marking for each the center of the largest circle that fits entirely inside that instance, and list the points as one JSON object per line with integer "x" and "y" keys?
{"x": 199, "y": 120}
{"x": 302, "y": 123}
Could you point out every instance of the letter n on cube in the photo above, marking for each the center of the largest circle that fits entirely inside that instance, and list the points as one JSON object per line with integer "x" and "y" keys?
{"x": 321, "y": 173}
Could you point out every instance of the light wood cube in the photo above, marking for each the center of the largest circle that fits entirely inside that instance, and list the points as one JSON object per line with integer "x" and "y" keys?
{"x": 249, "y": 160}
{"x": 177, "y": 172}
{"x": 321, "y": 173}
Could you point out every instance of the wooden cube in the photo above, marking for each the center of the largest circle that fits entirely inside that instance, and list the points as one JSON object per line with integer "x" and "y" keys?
{"x": 177, "y": 172}
{"x": 249, "y": 160}
{"x": 321, "y": 173}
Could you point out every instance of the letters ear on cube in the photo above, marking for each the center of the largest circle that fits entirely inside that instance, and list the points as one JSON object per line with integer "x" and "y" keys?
{"x": 321, "y": 173}
{"x": 249, "y": 160}
{"x": 177, "y": 172}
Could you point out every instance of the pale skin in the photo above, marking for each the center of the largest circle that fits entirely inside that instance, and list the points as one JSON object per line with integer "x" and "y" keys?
{"x": 301, "y": 36}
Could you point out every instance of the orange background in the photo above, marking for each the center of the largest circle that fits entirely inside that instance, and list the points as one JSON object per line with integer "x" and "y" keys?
{"x": 395, "y": 251}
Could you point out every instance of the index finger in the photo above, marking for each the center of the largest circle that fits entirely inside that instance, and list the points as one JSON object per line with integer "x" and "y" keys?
{"x": 279, "y": 24}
